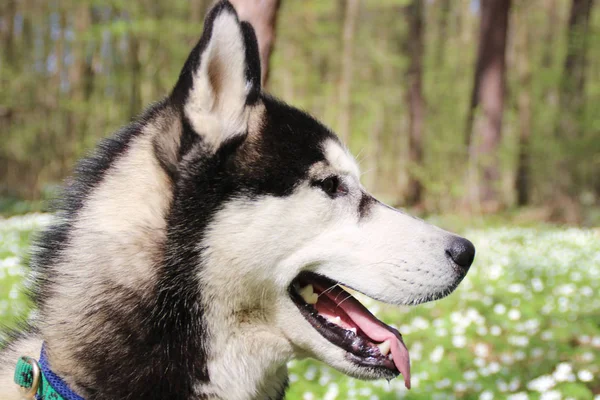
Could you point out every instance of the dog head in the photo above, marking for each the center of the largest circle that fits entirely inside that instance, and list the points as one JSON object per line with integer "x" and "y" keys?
{"x": 269, "y": 210}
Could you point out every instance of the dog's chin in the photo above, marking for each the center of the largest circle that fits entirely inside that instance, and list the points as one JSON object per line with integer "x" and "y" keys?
{"x": 332, "y": 326}
{"x": 351, "y": 365}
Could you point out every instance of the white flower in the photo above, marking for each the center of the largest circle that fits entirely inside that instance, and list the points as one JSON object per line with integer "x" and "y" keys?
{"x": 586, "y": 291}
{"x": 481, "y": 350}
{"x": 514, "y": 384}
{"x": 459, "y": 341}
{"x": 551, "y": 395}
{"x": 585, "y": 376}
{"x": 493, "y": 367}
{"x": 495, "y": 330}
{"x": 500, "y": 309}
{"x": 516, "y": 288}
{"x": 564, "y": 373}
{"x": 542, "y": 383}
{"x": 332, "y": 392}
{"x": 518, "y": 396}
{"x": 308, "y": 396}
{"x": 444, "y": 383}
{"x": 514, "y": 314}
{"x": 310, "y": 373}
{"x": 588, "y": 356}
{"x": 520, "y": 341}
{"x": 502, "y": 386}
{"x": 507, "y": 358}
{"x": 487, "y": 395}
{"x": 420, "y": 323}
{"x": 537, "y": 284}
{"x": 437, "y": 354}
{"x": 470, "y": 375}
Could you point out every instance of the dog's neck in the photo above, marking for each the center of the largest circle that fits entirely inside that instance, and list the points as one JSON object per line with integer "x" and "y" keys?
{"x": 248, "y": 362}
{"x": 246, "y": 358}
{"x": 247, "y": 354}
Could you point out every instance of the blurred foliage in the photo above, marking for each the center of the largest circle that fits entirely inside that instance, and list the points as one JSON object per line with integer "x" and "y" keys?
{"x": 72, "y": 72}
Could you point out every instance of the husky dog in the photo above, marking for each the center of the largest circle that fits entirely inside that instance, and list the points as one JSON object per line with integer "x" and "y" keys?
{"x": 205, "y": 245}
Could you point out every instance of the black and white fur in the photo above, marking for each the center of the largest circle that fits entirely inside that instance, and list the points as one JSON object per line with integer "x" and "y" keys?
{"x": 165, "y": 274}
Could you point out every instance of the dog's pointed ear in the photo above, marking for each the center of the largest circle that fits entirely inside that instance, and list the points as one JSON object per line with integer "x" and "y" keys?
{"x": 220, "y": 78}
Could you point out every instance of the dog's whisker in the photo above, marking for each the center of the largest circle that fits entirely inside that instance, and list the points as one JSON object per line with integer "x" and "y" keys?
{"x": 329, "y": 289}
{"x": 347, "y": 297}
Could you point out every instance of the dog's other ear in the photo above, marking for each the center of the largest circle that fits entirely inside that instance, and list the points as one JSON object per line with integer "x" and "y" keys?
{"x": 220, "y": 78}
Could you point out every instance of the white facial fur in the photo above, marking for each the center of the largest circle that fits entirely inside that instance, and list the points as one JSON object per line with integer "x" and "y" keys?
{"x": 265, "y": 243}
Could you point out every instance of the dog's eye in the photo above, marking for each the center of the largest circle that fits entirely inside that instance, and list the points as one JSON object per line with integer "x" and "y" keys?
{"x": 333, "y": 186}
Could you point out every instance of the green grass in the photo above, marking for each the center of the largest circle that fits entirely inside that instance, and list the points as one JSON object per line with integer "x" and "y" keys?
{"x": 525, "y": 323}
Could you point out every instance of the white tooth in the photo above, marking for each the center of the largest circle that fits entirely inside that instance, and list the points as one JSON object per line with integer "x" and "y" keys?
{"x": 353, "y": 330}
{"x": 390, "y": 357}
{"x": 384, "y": 347}
{"x": 308, "y": 294}
{"x": 314, "y": 299}
{"x": 337, "y": 320}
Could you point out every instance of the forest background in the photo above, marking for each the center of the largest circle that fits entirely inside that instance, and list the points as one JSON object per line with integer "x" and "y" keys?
{"x": 451, "y": 106}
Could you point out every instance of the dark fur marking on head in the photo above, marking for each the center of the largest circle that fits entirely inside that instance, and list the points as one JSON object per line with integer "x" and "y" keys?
{"x": 290, "y": 143}
{"x": 253, "y": 72}
{"x": 364, "y": 207}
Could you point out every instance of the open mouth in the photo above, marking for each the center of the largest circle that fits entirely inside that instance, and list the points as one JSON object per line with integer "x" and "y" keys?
{"x": 346, "y": 323}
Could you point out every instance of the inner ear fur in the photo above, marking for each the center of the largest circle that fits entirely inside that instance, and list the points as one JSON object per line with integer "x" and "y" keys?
{"x": 222, "y": 73}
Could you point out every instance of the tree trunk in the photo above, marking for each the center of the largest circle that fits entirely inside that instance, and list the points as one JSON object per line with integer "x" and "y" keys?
{"x": 487, "y": 103}
{"x": 135, "y": 102}
{"x": 416, "y": 105}
{"x": 9, "y": 12}
{"x": 350, "y": 15}
{"x": 549, "y": 35}
{"x": 443, "y": 17}
{"x": 80, "y": 75}
{"x": 523, "y": 174}
{"x": 262, "y": 14}
{"x": 568, "y": 127}
{"x": 572, "y": 94}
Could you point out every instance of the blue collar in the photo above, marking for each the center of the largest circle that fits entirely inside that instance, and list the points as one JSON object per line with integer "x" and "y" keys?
{"x": 55, "y": 381}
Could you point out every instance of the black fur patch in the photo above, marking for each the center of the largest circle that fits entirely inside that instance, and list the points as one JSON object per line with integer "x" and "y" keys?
{"x": 253, "y": 72}
{"x": 364, "y": 207}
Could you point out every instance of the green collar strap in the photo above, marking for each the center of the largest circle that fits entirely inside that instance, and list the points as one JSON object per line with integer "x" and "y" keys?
{"x": 37, "y": 381}
{"x": 33, "y": 382}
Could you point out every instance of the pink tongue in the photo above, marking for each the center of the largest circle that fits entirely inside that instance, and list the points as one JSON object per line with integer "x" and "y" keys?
{"x": 374, "y": 329}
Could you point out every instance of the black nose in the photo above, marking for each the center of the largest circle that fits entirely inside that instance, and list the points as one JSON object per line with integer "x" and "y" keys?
{"x": 462, "y": 252}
